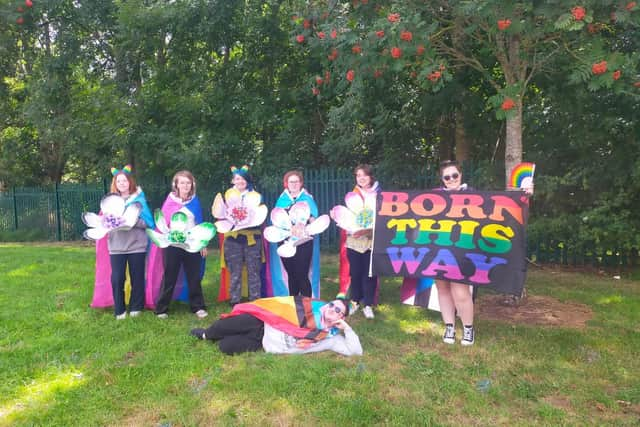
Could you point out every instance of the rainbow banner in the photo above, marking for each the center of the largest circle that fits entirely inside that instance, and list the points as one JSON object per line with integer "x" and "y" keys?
{"x": 522, "y": 175}
{"x": 472, "y": 237}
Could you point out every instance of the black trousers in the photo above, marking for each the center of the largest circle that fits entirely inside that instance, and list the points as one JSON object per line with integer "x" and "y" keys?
{"x": 237, "y": 334}
{"x": 363, "y": 287}
{"x": 136, "y": 272}
{"x": 192, "y": 262}
{"x": 297, "y": 268}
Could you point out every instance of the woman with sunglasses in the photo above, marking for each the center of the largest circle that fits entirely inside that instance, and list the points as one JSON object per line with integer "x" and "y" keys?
{"x": 454, "y": 296}
{"x": 284, "y": 325}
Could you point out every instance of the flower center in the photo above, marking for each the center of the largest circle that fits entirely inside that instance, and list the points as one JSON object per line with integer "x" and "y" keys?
{"x": 177, "y": 236}
{"x": 239, "y": 214}
{"x": 111, "y": 221}
{"x": 364, "y": 219}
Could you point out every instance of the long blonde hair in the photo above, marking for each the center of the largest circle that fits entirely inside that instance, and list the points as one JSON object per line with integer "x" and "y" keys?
{"x": 185, "y": 174}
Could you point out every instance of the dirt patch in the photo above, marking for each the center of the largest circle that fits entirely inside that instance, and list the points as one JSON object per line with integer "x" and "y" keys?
{"x": 534, "y": 310}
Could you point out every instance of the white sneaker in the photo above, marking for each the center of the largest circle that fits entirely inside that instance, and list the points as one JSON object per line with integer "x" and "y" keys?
{"x": 449, "y": 336}
{"x": 121, "y": 316}
{"x": 135, "y": 313}
{"x": 202, "y": 314}
{"x": 368, "y": 312}
{"x": 162, "y": 316}
{"x": 468, "y": 336}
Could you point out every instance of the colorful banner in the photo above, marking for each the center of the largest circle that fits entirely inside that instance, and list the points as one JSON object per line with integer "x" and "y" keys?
{"x": 474, "y": 237}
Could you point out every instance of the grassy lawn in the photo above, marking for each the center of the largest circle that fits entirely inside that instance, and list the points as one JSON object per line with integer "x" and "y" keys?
{"x": 63, "y": 363}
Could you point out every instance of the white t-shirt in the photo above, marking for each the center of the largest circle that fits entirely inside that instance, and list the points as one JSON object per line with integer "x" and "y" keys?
{"x": 275, "y": 341}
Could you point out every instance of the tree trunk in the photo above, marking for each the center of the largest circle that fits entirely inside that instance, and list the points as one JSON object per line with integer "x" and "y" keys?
{"x": 461, "y": 140}
{"x": 513, "y": 145}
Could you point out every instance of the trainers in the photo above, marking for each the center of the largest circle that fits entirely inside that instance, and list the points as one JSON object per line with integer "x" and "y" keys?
{"x": 201, "y": 314}
{"x": 162, "y": 316}
{"x": 198, "y": 333}
{"x": 135, "y": 313}
{"x": 353, "y": 307}
{"x": 449, "y": 336}
{"x": 368, "y": 312}
{"x": 468, "y": 335}
{"x": 121, "y": 316}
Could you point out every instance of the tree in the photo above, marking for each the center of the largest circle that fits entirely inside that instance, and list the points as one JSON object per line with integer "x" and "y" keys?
{"x": 506, "y": 43}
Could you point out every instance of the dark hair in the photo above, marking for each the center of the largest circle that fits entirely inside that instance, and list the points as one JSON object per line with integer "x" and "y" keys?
{"x": 448, "y": 163}
{"x": 367, "y": 171}
{"x": 346, "y": 305}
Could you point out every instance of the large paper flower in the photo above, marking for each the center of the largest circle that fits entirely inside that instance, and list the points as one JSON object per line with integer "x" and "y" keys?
{"x": 178, "y": 234}
{"x": 114, "y": 215}
{"x": 292, "y": 227}
{"x": 238, "y": 211}
{"x": 358, "y": 214}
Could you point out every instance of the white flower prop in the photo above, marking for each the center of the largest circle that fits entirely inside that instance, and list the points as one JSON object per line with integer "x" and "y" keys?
{"x": 292, "y": 228}
{"x": 358, "y": 214}
{"x": 114, "y": 215}
{"x": 238, "y": 212}
{"x": 177, "y": 234}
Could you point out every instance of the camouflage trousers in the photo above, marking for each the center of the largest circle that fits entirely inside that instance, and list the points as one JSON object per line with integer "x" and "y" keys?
{"x": 237, "y": 252}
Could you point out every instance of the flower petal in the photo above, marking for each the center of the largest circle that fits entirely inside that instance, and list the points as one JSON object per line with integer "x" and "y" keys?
{"x": 318, "y": 225}
{"x": 95, "y": 233}
{"x": 300, "y": 213}
{"x": 219, "y": 209}
{"x": 131, "y": 214}
{"x": 354, "y": 202}
{"x": 344, "y": 218}
{"x": 91, "y": 220}
{"x": 287, "y": 250}
{"x": 179, "y": 222}
{"x": 258, "y": 216}
{"x": 280, "y": 218}
{"x": 199, "y": 236}
{"x": 161, "y": 222}
{"x": 275, "y": 234}
{"x": 112, "y": 204}
{"x": 252, "y": 199}
{"x": 159, "y": 239}
{"x": 224, "y": 226}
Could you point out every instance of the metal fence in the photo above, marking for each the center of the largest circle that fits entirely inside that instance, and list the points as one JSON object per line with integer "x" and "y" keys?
{"x": 54, "y": 213}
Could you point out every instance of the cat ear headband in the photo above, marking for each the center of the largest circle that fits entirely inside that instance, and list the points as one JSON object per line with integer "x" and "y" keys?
{"x": 244, "y": 170}
{"x": 125, "y": 170}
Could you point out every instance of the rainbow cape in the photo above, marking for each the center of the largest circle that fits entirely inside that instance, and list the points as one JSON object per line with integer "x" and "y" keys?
{"x": 102, "y": 291}
{"x": 297, "y": 316}
{"x": 278, "y": 274}
{"x": 521, "y": 174}
{"x": 155, "y": 266}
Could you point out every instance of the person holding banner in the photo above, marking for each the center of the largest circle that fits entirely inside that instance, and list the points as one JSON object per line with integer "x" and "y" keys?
{"x": 454, "y": 296}
{"x": 301, "y": 275}
{"x": 358, "y": 247}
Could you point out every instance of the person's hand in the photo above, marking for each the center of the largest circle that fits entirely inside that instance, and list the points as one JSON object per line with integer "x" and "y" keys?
{"x": 303, "y": 343}
{"x": 203, "y": 252}
{"x": 529, "y": 189}
{"x": 366, "y": 232}
{"x": 341, "y": 324}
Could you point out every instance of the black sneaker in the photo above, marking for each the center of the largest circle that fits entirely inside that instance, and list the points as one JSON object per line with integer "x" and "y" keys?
{"x": 198, "y": 333}
{"x": 468, "y": 335}
{"x": 449, "y": 336}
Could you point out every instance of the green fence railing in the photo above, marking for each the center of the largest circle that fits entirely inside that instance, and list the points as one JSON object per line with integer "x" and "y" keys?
{"x": 53, "y": 213}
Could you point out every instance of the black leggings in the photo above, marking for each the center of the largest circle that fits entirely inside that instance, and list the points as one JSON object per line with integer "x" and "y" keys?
{"x": 237, "y": 334}
{"x": 297, "y": 268}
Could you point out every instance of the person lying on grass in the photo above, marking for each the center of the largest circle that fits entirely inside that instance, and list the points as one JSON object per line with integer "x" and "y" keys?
{"x": 284, "y": 325}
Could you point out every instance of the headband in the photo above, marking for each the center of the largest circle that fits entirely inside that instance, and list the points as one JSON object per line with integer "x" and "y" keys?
{"x": 125, "y": 170}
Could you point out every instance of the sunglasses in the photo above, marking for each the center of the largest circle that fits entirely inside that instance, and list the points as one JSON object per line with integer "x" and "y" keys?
{"x": 452, "y": 176}
{"x": 335, "y": 308}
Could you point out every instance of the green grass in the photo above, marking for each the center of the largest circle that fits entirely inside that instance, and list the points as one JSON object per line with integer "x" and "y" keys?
{"x": 63, "y": 363}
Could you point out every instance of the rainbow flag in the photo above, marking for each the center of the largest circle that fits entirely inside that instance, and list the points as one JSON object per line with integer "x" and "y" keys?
{"x": 522, "y": 175}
